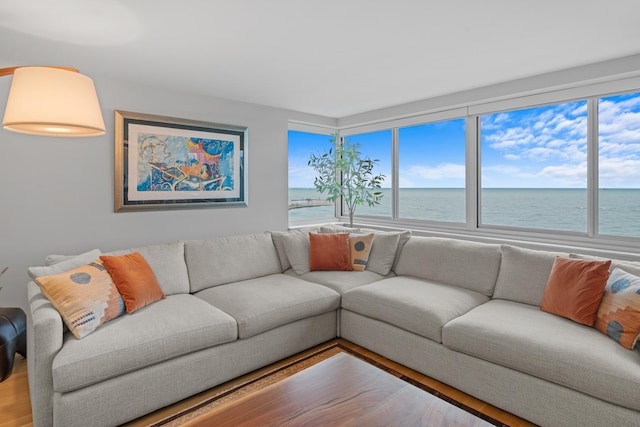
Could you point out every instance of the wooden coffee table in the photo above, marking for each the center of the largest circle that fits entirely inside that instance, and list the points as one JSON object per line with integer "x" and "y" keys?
{"x": 342, "y": 390}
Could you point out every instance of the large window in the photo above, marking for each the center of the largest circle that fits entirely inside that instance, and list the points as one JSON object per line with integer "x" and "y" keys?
{"x": 305, "y": 203}
{"x": 568, "y": 171}
{"x": 534, "y": 168}
{"x": 619, "y": 165}
{"x": 377, "y": 146}
{"x": 432, "y": 171}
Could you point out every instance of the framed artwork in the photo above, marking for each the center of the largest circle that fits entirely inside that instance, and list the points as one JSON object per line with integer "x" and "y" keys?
{"x": 169, "y": 163}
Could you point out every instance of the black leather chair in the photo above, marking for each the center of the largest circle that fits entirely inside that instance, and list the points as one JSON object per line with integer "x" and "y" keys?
{"x": 13, "y": 338}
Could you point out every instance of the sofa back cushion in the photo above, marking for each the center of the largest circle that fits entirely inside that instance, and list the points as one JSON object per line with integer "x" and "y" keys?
{"x": 63, "y": 263}
{"x": 632, "y": 267}
{"x": 298, "y": 242}
{"x": 229, "y": 259}
{"x": 469, "y": 265}
{"x": 167, "y": 263}
{"x": 524, "y": 274}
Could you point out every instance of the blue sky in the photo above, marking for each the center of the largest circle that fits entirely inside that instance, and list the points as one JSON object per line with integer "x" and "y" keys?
{"x": 542, "y": 147}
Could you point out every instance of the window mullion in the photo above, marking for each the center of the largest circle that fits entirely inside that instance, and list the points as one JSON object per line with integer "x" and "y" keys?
{"x": 472, "y": 178}
{"x": 395, "y": 209}
{"x": 339, "y": 203}
{"x": 592, "y": 168}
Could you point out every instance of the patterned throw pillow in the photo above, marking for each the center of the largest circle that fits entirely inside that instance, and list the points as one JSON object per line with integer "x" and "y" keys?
{"x": 619, "y": 312}
{"x": 85, "y": 297}
{"x": 360, "y": 248}
{"x": 134, "y": 279}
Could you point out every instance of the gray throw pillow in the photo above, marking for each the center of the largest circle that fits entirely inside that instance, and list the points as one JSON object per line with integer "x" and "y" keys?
{"x": 296, "y": 246}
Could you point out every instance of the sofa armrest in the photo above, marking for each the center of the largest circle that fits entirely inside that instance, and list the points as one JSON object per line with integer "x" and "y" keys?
{"x": 44, "y": 340}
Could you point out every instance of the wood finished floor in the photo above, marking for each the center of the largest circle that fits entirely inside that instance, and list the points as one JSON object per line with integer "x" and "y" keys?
{"x": 15, "y": 406}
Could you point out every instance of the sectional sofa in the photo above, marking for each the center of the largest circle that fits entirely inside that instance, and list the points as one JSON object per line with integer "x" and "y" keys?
{"x": 462, "y": 312}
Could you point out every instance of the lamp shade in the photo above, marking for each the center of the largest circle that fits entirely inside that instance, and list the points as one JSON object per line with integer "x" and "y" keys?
{"x": 52, "y": 101}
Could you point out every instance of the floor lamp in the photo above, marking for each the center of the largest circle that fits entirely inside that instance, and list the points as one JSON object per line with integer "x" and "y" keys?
{"x": 48, "y": 101}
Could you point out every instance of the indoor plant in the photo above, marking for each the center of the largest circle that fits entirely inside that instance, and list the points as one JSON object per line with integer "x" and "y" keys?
{"x": 344, "y": 173}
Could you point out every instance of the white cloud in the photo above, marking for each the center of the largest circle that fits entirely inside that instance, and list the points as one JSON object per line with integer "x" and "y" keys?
{"x": 556, "y": 143}
{"x": 503, "y": 170}
{"x": 608, "y": 149}
{"x": 439, "y": 172}
{"x": 510, "y": 138}
{"x": 566, "y": 175}
{"x": 580, "y": 110}
{"x": 540, "y": 153}
{"x": 619, "y": 172}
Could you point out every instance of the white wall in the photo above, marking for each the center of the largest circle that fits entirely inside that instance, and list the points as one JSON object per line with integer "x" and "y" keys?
{"x": 56, "y": 194}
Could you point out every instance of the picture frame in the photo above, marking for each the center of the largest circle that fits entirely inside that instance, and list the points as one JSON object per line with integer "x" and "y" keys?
{"x": 171, "y": 163}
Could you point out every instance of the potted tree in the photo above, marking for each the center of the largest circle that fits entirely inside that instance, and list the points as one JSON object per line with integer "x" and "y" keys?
{"x": 344, "y": 173}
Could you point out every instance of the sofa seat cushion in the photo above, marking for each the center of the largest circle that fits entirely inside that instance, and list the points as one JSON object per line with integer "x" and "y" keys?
{"x": 524, "y": 338}
{"x": 175, "y": 326}
{"x": 342, "y": 281}
{"x": 416, "y": 305}
{"x": 264, "y": 303}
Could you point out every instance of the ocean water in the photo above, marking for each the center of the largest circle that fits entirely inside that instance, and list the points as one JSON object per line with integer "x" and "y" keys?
{"x": 548, "y": 209}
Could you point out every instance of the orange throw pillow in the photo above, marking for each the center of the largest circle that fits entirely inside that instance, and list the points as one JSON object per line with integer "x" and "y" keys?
{"x": 134, "y": 279}
{"x": 575, "y": 289}
{"x": 329, "y": 252}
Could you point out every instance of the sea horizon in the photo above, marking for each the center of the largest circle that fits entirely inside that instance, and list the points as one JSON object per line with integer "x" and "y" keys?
{"x": 563, "y": 209}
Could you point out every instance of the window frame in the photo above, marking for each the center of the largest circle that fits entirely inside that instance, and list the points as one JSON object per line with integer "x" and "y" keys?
{"x": 318, "y": 130}
{"x": 589, "y": 182}
{"x": 472, "y": 112}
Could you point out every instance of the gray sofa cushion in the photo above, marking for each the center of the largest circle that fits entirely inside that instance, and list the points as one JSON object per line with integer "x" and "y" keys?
{"x": 52, "y": 259}
{"x": 413, "y": 304}
{"x": 632, "y": 267}
{"x": 271, "y": 301}
{"x": 175, "y": 326}
{"x": 298, "y": 250}
{"x": 229, "y": 259}
{"x": 461, "y": 263}
{"x": 342, "y": 281}
{"x": 521, "y": 337}
{"x": 168, "y": 265}
{"x": 523, "y": 274}
{"x": 280, "y": 237}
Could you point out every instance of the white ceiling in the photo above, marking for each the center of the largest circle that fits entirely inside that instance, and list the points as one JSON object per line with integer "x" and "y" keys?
{"x": 328, "y": 57}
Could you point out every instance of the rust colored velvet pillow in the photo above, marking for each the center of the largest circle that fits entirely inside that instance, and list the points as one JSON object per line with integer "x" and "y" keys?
{"x": 575, "y": 289}
{"x": 134, "y": 279}
{"x": 329, "y": 252}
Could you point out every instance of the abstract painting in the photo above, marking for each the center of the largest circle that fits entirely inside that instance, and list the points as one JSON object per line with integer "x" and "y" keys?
{"x": 169, "y": 163}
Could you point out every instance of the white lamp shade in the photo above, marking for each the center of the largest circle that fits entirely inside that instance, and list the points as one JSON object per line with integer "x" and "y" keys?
{"x": 51, "y": 101}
